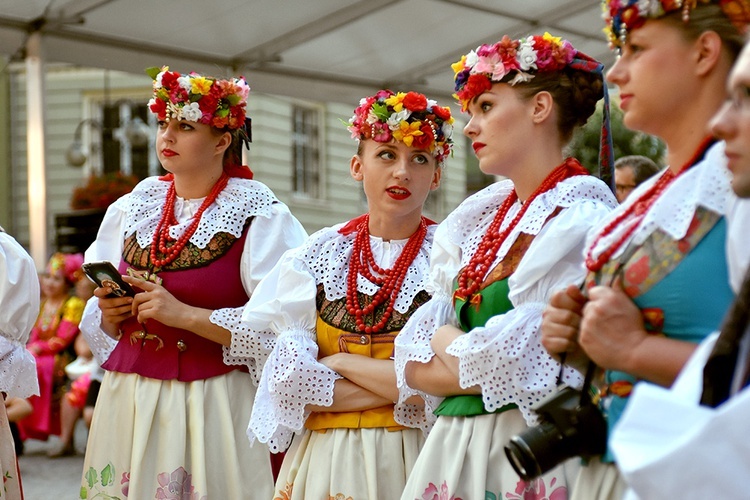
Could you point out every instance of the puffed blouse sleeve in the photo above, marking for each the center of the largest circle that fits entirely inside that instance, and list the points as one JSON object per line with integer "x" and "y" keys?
{"x": 19, "y": 303}
{"x": 107, "y": 246}
{"x": 413, "y": 342}
{"x": 505, "y": 357}
{"x": 292, "y": 377}
{"x": 267, "y": 239}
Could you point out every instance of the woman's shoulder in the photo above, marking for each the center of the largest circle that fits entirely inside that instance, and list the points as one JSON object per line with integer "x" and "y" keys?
{"x": 581, "y": 189}
{"x": 477, "y": 205}
{"x": 319, "y": 243}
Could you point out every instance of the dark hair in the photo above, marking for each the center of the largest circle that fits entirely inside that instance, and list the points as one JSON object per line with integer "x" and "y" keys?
{"x": 233, "y": 154}
{"x": 575, "y": 93}
{"x": 709, "y": 17}
{"x": 643, "y": 166}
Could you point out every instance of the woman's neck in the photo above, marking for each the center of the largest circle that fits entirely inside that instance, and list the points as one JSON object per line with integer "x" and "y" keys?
{"x": 534, "y": 170}
{"x": 196, "y": 184}
{"x": 394, "y": 228}
{"x": 683, "y": 134}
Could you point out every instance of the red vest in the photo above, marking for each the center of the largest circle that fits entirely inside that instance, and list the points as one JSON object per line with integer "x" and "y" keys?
{"x": 179, "y": 354}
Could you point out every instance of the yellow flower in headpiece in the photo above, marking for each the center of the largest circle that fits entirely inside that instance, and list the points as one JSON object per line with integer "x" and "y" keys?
{"x": 406, "y": 132}
{"x": 200, "y": 85}
{"x": 554, "y": 39}
{"x": 458, "y": 66}
{"x": 396, "y": 101}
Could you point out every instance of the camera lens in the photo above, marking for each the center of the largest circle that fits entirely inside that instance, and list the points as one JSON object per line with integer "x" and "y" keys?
{"x": 535, "y": 451}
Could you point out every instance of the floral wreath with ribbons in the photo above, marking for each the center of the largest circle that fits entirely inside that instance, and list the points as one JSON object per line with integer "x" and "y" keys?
{"x": 517, "y": 61}
{"x": 407, "y": 117}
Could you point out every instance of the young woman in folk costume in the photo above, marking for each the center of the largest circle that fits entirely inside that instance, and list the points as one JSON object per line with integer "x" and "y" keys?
{"x": 337, "y": 303}
{"x": 642, "y": 315}
{"x": 495, "y": 262}
{"x": 54, "y": 331}
{"x": 19, "y": 303}
{"x": 173, "y": 407}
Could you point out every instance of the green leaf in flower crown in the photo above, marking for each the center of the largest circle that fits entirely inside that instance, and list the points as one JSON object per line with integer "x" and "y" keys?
{"x": 381, "y": 111}
{"x": 153, "y": 72}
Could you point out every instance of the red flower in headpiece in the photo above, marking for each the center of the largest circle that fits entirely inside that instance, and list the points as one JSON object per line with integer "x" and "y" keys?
{"x": 441, "y": 112}
{"x": 169, "y": 79}
{"x": 414, "y": 101}
{"x": 424, "y": 141}
{"x": 159, "y": 108}
{"x": 475, "y": 85}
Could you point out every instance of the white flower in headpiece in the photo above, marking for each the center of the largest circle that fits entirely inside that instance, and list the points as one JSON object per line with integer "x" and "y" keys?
{"x": 520, "y": 77}
{"x": 185, "y": 83}
{"x": 447, "y": 129}
{"x": 372, "y": 117}
{"x": 431, "y": 103}
{"x": 650, "y": 8}
{"x": 394, "y": 121}
{"x": 471, "y": 60}
{"x": 526, "y": 55}
{"x": 157, "y": 80}
{"x": 192, "y": 112}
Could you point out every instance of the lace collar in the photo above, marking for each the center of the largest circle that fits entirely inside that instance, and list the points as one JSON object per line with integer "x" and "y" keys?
{"x": 242, "y": 198}
{"x": 470, "y": 221}
{"x": 707, "y": 184}
{"x": 326, "y": 255}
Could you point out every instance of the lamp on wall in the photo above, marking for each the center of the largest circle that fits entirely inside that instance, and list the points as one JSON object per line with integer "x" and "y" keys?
{"x": 75, "y": 155}
{"x": 135, "y": 130}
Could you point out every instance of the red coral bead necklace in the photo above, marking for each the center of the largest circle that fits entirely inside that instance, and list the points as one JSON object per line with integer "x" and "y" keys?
{"x": 362, "y": 263}
{"x": 161, "y": 235}
{"x": 472, "y": 276}
{"x": 637, "y": 211}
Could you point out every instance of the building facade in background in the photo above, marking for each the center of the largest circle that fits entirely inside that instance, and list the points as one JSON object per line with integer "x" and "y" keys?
{"x": 300, "y": 149}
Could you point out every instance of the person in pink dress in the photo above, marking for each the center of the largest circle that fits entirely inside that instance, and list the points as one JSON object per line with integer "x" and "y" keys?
{"x": 55, "y": 330}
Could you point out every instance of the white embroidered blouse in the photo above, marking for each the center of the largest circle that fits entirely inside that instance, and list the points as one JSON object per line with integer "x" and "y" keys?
{"x": 286, "y": 300}
{"x": 505, "y": 357}
{"x": 273, "y": 231}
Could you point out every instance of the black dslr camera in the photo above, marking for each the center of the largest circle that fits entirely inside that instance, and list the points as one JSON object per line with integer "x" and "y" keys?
{"x": 571, "y": 425}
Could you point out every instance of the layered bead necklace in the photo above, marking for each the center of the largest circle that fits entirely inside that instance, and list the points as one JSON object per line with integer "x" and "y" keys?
{"x": 637, "y": 211}
{"x": 472, "y": 276}
{"x": 161, "y": 235}
{"x": 362, "y": 263}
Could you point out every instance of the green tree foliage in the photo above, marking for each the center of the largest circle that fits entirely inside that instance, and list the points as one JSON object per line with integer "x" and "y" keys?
{"x": 585, "y": 143}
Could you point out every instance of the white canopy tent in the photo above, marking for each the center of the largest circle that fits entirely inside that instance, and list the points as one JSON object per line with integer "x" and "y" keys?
{"x": 328, "y": 50}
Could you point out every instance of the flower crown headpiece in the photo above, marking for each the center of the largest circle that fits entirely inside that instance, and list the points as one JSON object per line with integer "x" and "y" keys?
{"x": 196, "y": 98}
{"x": 622, "y": 16}
{"x": 66, "y": 264}
{"x": 515, "y": 61}
{"x": 408, "y": 117}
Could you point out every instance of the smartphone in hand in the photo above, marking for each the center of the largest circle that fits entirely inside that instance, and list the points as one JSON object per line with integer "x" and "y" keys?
{"x": 104, "y": 274}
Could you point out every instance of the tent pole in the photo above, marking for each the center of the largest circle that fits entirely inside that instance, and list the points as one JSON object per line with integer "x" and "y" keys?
{"x": 36, "y": 154}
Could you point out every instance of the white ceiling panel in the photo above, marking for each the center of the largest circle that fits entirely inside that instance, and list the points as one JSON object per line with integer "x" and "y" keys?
{"x": 304, "y": 48}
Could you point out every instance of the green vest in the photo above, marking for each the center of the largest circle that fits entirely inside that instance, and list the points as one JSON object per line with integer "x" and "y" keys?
{"x": 494, "y": 301}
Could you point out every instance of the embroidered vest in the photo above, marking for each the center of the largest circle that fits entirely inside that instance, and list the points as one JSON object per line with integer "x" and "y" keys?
{"x": 344, "y": 338}
{"x": 207, "y": 278}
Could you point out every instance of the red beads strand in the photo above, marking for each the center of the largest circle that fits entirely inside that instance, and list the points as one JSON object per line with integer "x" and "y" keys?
{"x": 362, "y": 263}
{"x": 168, "y": 219}
{"x": 472, "y": 276}
{"x": 637, "y": 211}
